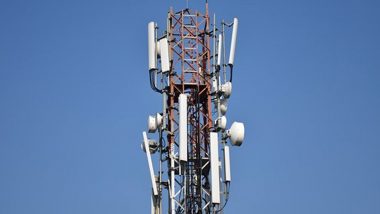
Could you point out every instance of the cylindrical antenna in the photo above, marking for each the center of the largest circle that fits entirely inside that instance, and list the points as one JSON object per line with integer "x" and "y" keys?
{"x": 233, "y": 42}
{"x": 224, "y": 52}
{"x": 220, "y": 41}
{"x": 152, "y": 46}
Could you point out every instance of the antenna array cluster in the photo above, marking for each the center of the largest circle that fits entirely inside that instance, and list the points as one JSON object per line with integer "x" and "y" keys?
{"x": 189, "y": 164}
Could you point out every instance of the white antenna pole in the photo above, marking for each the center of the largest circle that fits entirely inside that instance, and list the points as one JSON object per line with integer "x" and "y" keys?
{"x": 150, "y": 164}
{"x": 172, "y": 182}
{"x": 224, "y": 52}
{"x": 220, "y": 41}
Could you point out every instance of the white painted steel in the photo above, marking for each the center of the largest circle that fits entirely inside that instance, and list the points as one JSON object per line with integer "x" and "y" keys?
{"x": 214, "y": 163}
{"x": 182, "y": 100}
{"x": 172, "y": 183}
{"x": 164, "y": 50}
{"x": 152, "y": 46}
{"x": 152, "y": 207}
{"x": 233, "y": 42}
{"x": 227, "y": 164}
{"x": 150, "y": 164}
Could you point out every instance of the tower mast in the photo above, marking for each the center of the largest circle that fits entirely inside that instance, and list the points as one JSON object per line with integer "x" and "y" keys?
{"x": 192, "y": 125}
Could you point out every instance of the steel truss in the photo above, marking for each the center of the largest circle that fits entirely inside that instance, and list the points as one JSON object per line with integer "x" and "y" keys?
{"x": 189, "y": 39}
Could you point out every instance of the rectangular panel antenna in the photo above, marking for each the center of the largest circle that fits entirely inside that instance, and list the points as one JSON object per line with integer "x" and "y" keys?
{"x": 182, "y": 100}
{"x": 233, "y": 42}
{"x": 227, "y": 164}
{"x": 152, "y": 46}
{"x": 220, "y": 41}
{"x": 214, "y": 162}
{"x": 164, "y": 50}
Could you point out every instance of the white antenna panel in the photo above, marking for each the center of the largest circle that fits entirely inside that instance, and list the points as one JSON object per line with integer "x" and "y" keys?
{"x": 164, "y": 51}
{"x": 227, "y": 164}
{"x": 214, "y": 162}
{"x": 182, "y": 100}
{"x": 150, "y": 164}
{"x": 233, "y": 42}
{"x": 152, "y": 46}
{"x": 220, "y": 40}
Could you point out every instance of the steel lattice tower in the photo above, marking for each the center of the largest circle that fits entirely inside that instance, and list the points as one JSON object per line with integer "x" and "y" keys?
{"x": 189, "y": 41}
{"x": 194, "y": 96}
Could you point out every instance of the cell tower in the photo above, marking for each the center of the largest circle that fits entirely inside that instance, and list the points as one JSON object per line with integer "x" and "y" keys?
{"x": 192, "y": 157}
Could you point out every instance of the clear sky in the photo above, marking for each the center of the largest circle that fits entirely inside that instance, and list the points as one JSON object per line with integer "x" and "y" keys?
{"x": 75, "y": 96}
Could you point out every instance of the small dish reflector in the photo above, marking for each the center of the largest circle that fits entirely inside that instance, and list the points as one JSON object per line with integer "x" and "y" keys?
{"x": 221, "y": 122}
{"x": 223, "y": 106}
{"x": 152, "y": 125}
{"x": 226, "y": 89}
{"x": 159, "y": 120}
{"x": 153, "y": 146}
{"x": 233, "y": 42}
{"x": 236, "y": 133}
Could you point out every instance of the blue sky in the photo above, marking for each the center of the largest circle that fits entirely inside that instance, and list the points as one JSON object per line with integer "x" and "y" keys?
{"x": 75, "y": 96}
